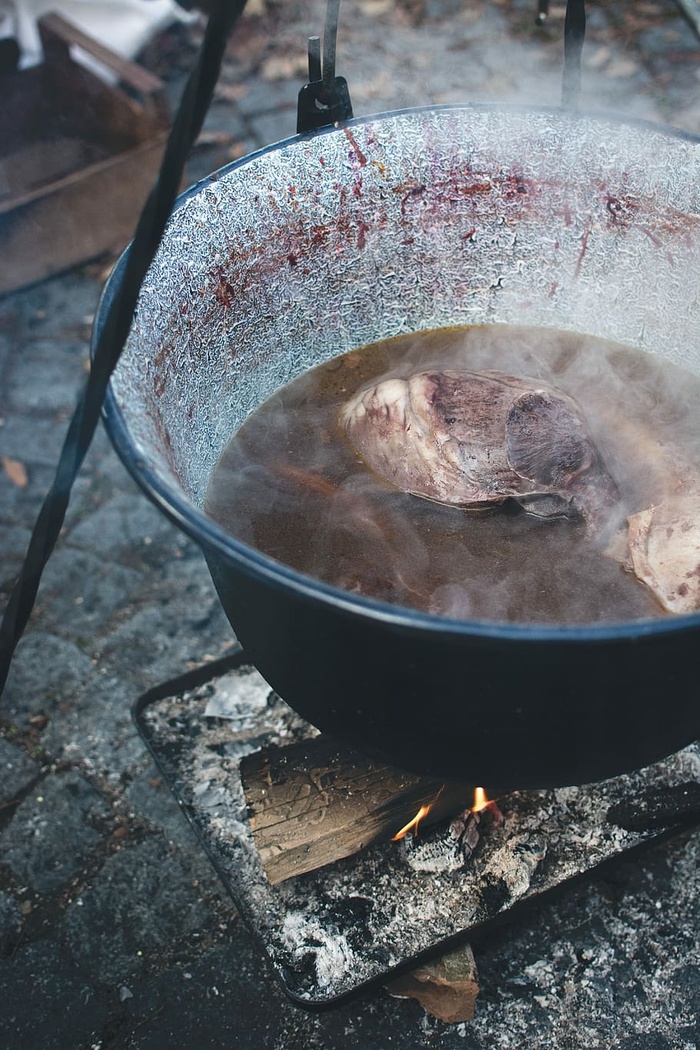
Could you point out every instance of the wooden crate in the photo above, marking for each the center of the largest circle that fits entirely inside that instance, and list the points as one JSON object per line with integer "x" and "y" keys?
{"x": 78, "y": 155}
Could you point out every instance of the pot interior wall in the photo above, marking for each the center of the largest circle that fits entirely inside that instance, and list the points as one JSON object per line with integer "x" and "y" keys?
{"x": 401, "y": 223}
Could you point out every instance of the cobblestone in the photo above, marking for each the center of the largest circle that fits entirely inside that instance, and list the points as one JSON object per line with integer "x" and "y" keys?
{"x": 17, "y": 771}
{"x": 46, "y": 376}
{"x": 141, "y": 902}
{"x": 10, "y": 918}
{"x": 95, "y": 728}
{"x": 52, "y": 831}
{"x": 47, "y": 672}
{"x": 47, "y": 1002}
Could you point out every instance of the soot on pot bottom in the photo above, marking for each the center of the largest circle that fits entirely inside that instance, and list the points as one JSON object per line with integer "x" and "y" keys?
{"x": 291, "y": 483}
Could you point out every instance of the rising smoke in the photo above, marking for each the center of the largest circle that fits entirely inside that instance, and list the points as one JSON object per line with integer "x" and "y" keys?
{"x": 291, "y": 484}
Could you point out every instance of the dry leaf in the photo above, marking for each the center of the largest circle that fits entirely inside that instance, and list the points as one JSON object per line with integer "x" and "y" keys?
{"x": 214, "y": 138}
{"x": 446, "y": 988}
{"x": 16, "y": 471}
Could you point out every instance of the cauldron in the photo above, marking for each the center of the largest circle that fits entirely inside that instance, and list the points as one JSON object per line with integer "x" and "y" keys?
{"x": 394, "y": 223}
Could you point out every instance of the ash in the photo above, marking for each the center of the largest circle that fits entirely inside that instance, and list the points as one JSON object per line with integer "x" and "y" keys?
{"x": 329, "y": 932}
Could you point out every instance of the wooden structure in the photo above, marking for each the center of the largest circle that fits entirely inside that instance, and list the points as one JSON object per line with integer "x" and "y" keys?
{"x": 78, "y": 154}
{"x": 314, "y": 802}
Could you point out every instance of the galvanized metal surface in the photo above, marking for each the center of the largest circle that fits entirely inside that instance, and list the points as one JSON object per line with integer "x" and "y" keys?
{"x": 400, "y": 223}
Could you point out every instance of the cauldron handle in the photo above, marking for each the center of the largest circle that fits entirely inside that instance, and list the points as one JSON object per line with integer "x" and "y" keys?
{"x": 325, "y": 100}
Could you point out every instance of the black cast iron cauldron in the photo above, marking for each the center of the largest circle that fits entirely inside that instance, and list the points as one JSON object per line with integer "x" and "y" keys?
{"x": 396, "y": 223}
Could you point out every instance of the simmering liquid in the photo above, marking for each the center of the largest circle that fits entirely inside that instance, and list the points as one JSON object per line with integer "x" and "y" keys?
{"x": 290, "y": 483}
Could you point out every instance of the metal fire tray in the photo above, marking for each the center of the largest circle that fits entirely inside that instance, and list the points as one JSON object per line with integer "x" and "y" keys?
{"x": 330, "y": 932}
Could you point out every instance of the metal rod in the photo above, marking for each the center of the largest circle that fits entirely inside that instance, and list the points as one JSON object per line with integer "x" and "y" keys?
{"x": 330, "y": 34}
{"x": 314, "y": 58}
{"x": 542, "y": 12}
{"x": 185, "y": 128}
{"x": 574, "y": 34}
{"x": 325, "y": 99}
{"x": 691, "y": 10}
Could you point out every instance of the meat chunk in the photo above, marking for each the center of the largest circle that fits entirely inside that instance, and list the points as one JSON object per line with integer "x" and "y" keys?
{"x": 471, "y": 439}
{"x": 664, "y": 550}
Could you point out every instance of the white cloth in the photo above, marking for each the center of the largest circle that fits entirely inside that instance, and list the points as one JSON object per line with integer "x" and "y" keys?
{"x": 124, "y": 26}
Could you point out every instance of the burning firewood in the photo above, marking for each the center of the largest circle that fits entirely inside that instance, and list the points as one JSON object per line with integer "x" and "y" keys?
{"x": 314, "y": 802}
{"x": 450, "y": 847}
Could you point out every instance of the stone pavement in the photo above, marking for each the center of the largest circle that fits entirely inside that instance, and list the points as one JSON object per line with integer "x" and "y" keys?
{"x": 114, "y": 930}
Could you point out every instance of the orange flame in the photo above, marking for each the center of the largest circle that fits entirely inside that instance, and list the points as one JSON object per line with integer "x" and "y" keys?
{"x": 483, "y": 802}
{"x": 412, "y": 824}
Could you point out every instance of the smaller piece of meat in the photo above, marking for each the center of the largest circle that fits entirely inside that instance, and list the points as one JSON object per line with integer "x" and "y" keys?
{"x": 664, "y": 545}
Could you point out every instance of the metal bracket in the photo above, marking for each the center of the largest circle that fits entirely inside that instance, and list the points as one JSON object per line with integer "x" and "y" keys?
{"x": 325, "y": 99}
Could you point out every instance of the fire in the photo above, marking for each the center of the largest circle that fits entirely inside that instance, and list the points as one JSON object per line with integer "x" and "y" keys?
{"x": 412, "y": 824}
{"x": 481, "y": 802}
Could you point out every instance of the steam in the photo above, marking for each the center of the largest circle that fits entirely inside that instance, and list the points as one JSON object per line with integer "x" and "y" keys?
{"x": 290, "y": 483}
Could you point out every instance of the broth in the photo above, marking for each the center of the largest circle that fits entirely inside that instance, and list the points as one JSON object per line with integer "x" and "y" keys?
{"x": 290, "y": 484}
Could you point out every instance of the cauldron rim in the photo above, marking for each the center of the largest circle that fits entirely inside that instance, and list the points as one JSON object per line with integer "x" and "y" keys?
{"x": 211, "y": 537}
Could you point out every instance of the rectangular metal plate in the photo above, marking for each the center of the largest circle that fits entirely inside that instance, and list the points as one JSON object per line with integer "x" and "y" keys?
{"x": 332, "y": 931}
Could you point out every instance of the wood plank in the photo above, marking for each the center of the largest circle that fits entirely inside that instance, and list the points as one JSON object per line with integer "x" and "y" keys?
{"x": 315, "y": 802}
{"x": 41, "y": 163}
{"x": 59, "y": 33}
{"x": 76, "y": 218}
{"x": 106, "y": 111}
{"x": 80, "y": 160}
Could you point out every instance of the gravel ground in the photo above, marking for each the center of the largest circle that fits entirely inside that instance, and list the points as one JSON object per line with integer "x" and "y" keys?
{"x": 114, "y": 930}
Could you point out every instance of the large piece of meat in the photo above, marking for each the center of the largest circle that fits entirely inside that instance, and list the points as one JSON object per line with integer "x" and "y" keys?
{"x": 473, "y": 439}
{"x": 476, "y": 438}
